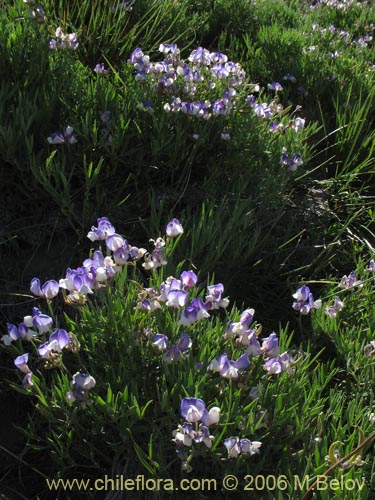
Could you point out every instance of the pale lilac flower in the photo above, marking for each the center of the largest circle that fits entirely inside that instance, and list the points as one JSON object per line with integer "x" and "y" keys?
{"x": 232, "y": 445}
{"x": 82, "y": 383}
{"x": 350, "y": 281}
{"x": 270, "y": 346}
{"x": 160, "y": 341}
{"x": 100, "y": 69}
{"x": 298, "y": 124}
{"x": 242, "y": 326}
{"x": 292, "y": 163}
{"x": 332, "y": 310}
{"x": 193, "y": 409}
{"x": 200, "y": 56}
{"x": 21, "y": 363}
{"x": 217, "y": 363}
{"x": 15, "y": 333}
{"x": 251, "y": 447}
{"x": 275, "y": 86}
{"x": 169, "y": 48}
{"x": 279, "y": 364}
{"x": 103, "y": 231}
{"x": 369, "y": 349}
{"x": 229, "y": 368}
{"x": 274, "y": 366}
{"x": 188, "y": 279}
{"x": 212, "y": 417}
{"x": 174, "y": 352}
{"x": 174, "y": 228}
{"x": 305, "y": 301}
{"x": 65, "y": 136}
{"x": 80, "y": 280}
{"x": 193, "y": 313}
{"x": 214, "y": 298}
{"x": 371, "y": 267}
{"x": 48, "y": 291}
{"x": 250, "y": 340}
{"x": 68, "y": 41}
{"x": 183, "y": 436}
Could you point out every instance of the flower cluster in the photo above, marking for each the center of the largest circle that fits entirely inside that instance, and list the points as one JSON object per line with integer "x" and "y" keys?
{"x": 350, "y": 281}
{"x": 246, "y": 334}
{"x": 304, "y": 302}
{"x": 228, "y": 368}
{"x": 206, "y": 85}
{"x": 66, "y": 136}
{"x": 96, "y": 271}
{"x": 172, "y": 352}
{"x": 52, "y": 350}
{"x": 31, "y": 326}
{"x": 236, "y": 446}
{"x": 195, "y": 429}
{"x": 175, "y": 293}
{"x": 291, "y": 162}
{"x": 69, "y": 41}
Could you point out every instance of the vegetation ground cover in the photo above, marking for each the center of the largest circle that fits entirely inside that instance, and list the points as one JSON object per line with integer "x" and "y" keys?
{"x": 218, "y": 320}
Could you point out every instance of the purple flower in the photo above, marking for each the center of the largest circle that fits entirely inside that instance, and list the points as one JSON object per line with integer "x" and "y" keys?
{"x": 232, "y": 445}
{"x": 69, "y": 41}
{"x": 350, "y": 281}
{"x": 299, "y": 124}
{"x": 160, "y": 341}
{"x": 21, "y": 363}
{"x": 214, "y": 299}
{"x": 279, "y": 364}
{"x": 332, "y": 310}
{"x": 48, "y": 291}
{"x": 174, "y": 352}
{"x": 14, "y": 333}
{"x": 275, "y": 86}
{"x": 188, "y": 279}
{"x": 174, "y": 228}
{"x": 200, "y": 56}
{"x": 251, "y": 447}
{"x": 371, "y": 267}
{"x": 100, "y": 69}
{"x": 103, "y": 231}
{"x": 169, "y": 48}
{"x": 193, "y": 313}
{"x": 305, "y": 300}
{"x": 64, "y": 136}
{"x": 229, "y": 368}
{"x": 82, "y": 383}
{"x": 241, "y": 327}
{"x": 52, "y": 350}
{"x": 157, "y": 258}
{"x": 369, "y": 349}
{"x": 212, "y": 417}
{"x": 270, "y": 346}
{"x": 193, "y": 409}
{"x": 177, "y": 298}
{"x": 80, "y": 280}
{"x": 236, "y": 446}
